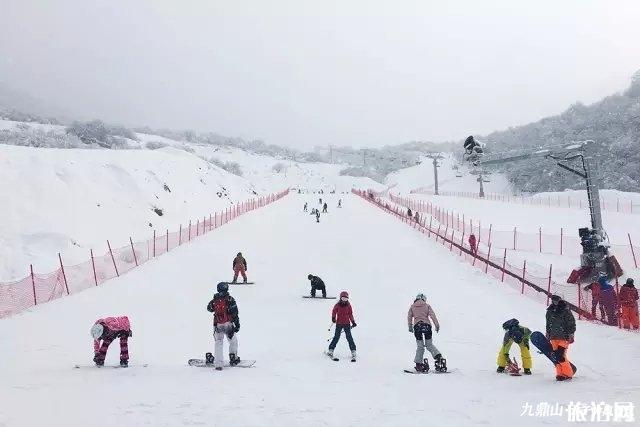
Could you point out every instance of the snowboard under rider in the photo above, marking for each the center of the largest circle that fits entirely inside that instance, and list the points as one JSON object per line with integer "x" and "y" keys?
{"x": 239, "y": 267}
{"x": 514, "y": 332}
{"x": 226, "y": 323}
{"x": 317, "y": 285}
{"x": 107, "y": 330}
{"x": 342, "y": 316}
{"x": 419, "y": 318}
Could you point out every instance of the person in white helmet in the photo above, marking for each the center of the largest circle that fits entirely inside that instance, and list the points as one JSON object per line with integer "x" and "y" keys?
{"x": 419, "y": 317}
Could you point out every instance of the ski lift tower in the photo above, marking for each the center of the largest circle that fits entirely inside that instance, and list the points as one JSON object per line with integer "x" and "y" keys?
{"x": 435, "y": 157}
{"x": 595, "y": 259}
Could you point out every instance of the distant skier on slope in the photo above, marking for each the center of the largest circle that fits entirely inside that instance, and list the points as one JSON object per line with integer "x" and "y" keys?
{"x": 561, "y": 325}
{"x": 226, "y": 322}
{"x": 324, "y": 208}
{"x": 342, "y": 316}
{"x": 320, "y": 201}
{"x": 419, "y": 319}
{"x": 107, "y": 330}
{"x": 305, "y": 207}
{"x": 473, "y": 244}
{"x": 520, "y": 335}
{"x": 339, "y": 203}
{"x": 239, "y": 267}
{"x": 317, "y": 215}
{"x": 409, "y": 213}
{"x": 317, "y": 285}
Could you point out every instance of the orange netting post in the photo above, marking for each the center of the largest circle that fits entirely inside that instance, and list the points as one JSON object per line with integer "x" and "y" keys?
{"x": 486, "y": 266}
{"x": 549, "y": 287}
{"x": 135, "y": 257}
{"x": 113, "y": 259}
{"x": 64, "y": 276}
{"x": 632, "y": 251}
{"x": 524, "y": 270}
{"x": 93, "y": 264}
{"x": 167, "y": 240}
{"x": 504, "y": 263}
{"x": 154, "y": 243}
{"x": 33, "y": 284}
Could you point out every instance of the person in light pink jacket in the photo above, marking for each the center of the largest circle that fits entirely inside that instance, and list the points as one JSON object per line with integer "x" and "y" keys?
{"x": 107, "y": 330}
{"x": 419, "y": 318}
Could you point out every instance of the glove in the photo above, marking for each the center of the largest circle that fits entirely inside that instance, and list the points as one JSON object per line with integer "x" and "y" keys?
{"x": 411, "y": 328}
{"x": 333, "y": 320}
{"x": 353, "y": 325}
{"x": 571, "y": 339}
{"x": 130, "y": 333}
{"x": 236, "y": 327}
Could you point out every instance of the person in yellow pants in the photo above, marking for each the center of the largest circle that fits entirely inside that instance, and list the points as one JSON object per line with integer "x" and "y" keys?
{"x": 520, "y": 335}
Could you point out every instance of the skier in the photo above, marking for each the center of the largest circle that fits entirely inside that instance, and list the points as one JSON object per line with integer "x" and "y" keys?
{"x": 473, "y": 244}
{"x": 339, "y": 203}
{"x": 595, "y": 299}
{"x": 320, "y": 201}
{"x": 239, "y": 267}
{"x": 409, "y": 213}
{"x": 419, "y": 318}
{"x": 317, "y": 285}
{"x": 629, "y": 305}
{"x": 107, "y": 330}
{"x": 317, "y": 215}
{"x": 609, "y": 300}
{"x": 324, "y": 207}
{"x": 225, "y": 323}
{"x": 416, "y": 217}
{"x": 305, "y": 207}
{"x": 342, "y": 316}
{"x": 520, "y": 335}
{"x": 561, "y": 325}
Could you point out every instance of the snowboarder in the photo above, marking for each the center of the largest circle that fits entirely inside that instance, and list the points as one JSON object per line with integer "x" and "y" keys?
{"x": 419, "y": 319}
{"x": 107, "y": 330}
{"x": 409, "y": 213}
{"x": 608, "y": 300}
{"x": 561, "y": 325}
{"x": 226, "y": 322}
{"x": 305, "y": 207}
{"x": 629, "y": 305}
{"x": 520, "y": 335}
{"x": 473, "y": 244}
{"x": 339, "y": 203}
{"x": 317, "y": 285}
{"x": 342, "y": 316}
{"x": 324, "y": 207}
{"x": 416, "y": 217}
{"x": 320, "y": 201}
{"x": 317, "y": 215}
{"x": 594, "y": 287}
{"x": 239, "y": 267}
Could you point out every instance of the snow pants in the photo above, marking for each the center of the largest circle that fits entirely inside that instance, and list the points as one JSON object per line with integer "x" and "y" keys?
{"x": 347, "y": 333}
{"x": 106, "y": 342}
{"x": 525, "y": 354}
{"x": 239, "y": 269}
{"x": 323, "y": 289}
{"x": 422, "y": 332}
{"x": 594, "y": 304}
{"x": 563, "y": 367}
{"x": 629, "y": 315}
{"x": 220, "y": 331}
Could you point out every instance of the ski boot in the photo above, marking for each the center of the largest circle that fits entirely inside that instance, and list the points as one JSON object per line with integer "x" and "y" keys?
{"x": 441, "y": 363}
{"x": 98, "y": 361}
{"x": 218, "y": 368}
{"x": 124, "y": 363}
{"x": 422, "y": 368}
{"x": 353, "y": 356}
{"x": 500, "y": 369}
{"x": 562, "y": 378}
{"x": 527, "y": 371}
{"x": 208, "y": 359}
{"x": 233, "y": 359}
{"x": 425, "y": 364}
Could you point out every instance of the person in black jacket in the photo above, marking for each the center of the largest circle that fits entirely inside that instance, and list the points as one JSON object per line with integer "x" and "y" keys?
{"x": 561, "y": 325}
{"x": 239, "y": 267}
{"x": 226, "y": 322}
{"x": 317, "y": 285}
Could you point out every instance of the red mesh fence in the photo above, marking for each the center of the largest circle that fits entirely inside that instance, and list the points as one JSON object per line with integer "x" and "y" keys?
{"x": 494, "y": 261}
{"x": 38, "y": 288}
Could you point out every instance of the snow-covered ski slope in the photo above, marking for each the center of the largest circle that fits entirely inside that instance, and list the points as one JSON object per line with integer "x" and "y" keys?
{"x": 380, "y": 261}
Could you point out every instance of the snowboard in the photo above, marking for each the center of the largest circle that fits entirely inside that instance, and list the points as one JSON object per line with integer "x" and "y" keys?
{"x": 544, "y": 346}
{"x": 413, "y": 371}
{"x": 79, "y": 366}
{"x": 200, "y": 363}
{"x": 240, "y": 283}
{"x": 310, "y": 297}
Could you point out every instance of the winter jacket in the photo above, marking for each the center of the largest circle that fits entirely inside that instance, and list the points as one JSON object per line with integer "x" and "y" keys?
{"x": 239, "y": 261}
{"x": 420, "y": 311}
{"x": 607, "y": 294}
{"x": 111, "y": 325}
{"x": 229, "y": 315}
{"x": 519, "y": 335}
{"x": 628, "y": 296}
{"x": 342, "y": 314}
{"x": 560, "y": 322}
{"x": 595, "y": 290}
{"x": 316, "y": 283}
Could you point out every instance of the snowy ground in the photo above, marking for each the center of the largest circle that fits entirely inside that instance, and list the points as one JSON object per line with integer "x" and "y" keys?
{"x": 383, "y": 264}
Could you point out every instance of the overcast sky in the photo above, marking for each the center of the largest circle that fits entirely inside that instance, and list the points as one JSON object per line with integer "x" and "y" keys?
{"x": 304, "y": 73}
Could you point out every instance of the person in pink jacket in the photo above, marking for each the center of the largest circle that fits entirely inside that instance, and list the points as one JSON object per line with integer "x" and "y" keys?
{"x": 107, "y": 330}
{"x": 419, "y": 317}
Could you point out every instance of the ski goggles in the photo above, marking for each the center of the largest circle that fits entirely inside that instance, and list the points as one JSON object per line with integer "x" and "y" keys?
{"x": 344, "y": 298}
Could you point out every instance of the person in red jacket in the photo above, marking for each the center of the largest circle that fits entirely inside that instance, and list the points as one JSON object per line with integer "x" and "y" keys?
{"x": 342, "y": 316}
{"x": 473, "y": 244}
{"x": 629, "y": 305}
{"x": 595, "y": 299}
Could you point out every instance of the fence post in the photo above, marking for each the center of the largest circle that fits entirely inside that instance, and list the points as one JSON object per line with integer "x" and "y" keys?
{"x": 549, "y": 287}
{"x": 167, "y": 240}
{"x": 95, "y": 276}
{"x": 438, "y": 233}
{"x": 580, "y": 299}
{"x": 210, "y": 223}
{"x": 197, "y": 227}
{"x": 135, "y": 258}
{"x": 180, "y": 236}
{"x": 452, "y": 237}
{"x": 479, "y": 231}
{"x": 618, "y": 304}
{"x": 430, "y": 221}
{"x": 189, "y": 230}
{"x": 524, "y": 270}
{"x": 489, "y": 240}
{"x": 154, "y": 242}
{"x": 113, "y": 259}
{"x": 540, "y": 238}
{"x": 514, "y": 238}
{"x": 504, "y": 263}
{"x": 632, "y": 251}
{"x": 33, "y": 284}
{"x": 461, "y": 244}
{"x": 486, "y": 267}
{"x": 561, "y": 237}
{"x": 64, "y": 276}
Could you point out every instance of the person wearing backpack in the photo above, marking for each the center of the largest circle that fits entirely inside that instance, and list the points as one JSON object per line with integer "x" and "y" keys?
{"x": 226, "y": 322}
{"x": 239, "y": 267}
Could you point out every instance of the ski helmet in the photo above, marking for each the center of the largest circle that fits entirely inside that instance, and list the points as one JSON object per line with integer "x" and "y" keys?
{"x": 629, "y": 281}
{"x": 421, "y": 296}
{"x": 309, "y": 277}
{"x": 223, "y": 287}
{"x": 97, "y": 330}
{"x": 511, "y": 323}
{"x": 344, "y": 294}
